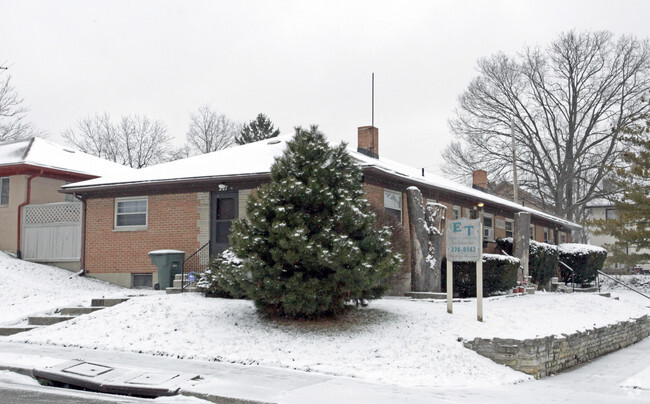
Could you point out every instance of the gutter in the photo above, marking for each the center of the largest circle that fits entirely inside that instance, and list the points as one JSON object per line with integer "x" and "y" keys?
{"x": 20, "y": 210}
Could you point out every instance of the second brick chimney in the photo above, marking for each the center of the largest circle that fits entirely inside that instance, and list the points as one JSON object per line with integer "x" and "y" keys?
{"x": 368, "y": 141}
{"x": 479, "y": 180}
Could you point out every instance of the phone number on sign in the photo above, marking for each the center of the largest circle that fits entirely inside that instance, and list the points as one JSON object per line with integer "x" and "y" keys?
{"x": 463, "y": 249}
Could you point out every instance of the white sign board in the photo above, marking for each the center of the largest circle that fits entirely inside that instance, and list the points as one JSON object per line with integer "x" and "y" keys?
{"x": 464, "y": 240}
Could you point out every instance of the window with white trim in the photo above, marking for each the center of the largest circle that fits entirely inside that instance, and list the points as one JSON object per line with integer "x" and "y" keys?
{"x": 510, "y": 226}
{"x": 456, "y": 211}
{"x": 546, "y": 234}
{"x": 393, "y": 203}
{"x": 488, "y": 226}
{"x": 131, "y": 213}
{"x": 4, "y": 191}
{"x": 532, "y": 232}
{"x": 562, "y": 238}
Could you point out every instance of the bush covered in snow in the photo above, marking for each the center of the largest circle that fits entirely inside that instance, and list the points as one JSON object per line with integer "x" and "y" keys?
{"x": 308, "y": 240}
{"x": 499, "y": 275}
{"x": 543, "y": 259}
{"x": 226, "y": 277}
{"x": 585, "y": 260}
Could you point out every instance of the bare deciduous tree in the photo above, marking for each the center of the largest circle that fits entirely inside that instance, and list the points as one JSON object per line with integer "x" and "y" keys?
{"x": 13, "y": 123}
{"x": 136, "y": 141}
{"x": 210, "y": 131}
{"x": 569, "y": 103}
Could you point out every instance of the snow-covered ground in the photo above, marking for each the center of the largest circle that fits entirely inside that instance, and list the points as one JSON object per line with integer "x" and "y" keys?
{"x": 32, "y": 289}
{"x": 394, "y": 340}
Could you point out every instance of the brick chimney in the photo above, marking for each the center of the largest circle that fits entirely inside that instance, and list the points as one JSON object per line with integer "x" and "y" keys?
{"x": 479, "y": 180}
{"x": 368, "y": 141}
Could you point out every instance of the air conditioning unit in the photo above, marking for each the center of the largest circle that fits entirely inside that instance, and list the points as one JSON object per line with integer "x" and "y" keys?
{"x": 488, "y": 234}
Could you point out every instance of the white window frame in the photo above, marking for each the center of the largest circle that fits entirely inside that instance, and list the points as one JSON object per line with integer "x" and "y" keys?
{"x": 563, "y": 237}
{"x": 136, "y": 227}
{"x": 547, "y": 235}
{"x": 457, "y": 212}
{"x": 2, "y": 181}
{"x": 512, "y": 228}
{"x": 532, "y": 232}
{"x": 486, "y": 229}
{"x": 391, "y": 195}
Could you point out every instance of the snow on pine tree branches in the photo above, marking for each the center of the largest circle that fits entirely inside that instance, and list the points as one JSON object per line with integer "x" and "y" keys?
{"x": 309, "y": 241}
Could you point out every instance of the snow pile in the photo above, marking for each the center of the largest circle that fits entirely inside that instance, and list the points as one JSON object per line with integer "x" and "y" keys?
{"x": 394, "y": 340}
{"x": 640, "y": 380}
{"x": 31, "y": 289}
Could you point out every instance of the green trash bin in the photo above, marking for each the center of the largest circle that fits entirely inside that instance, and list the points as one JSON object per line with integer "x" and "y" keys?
{"x": 169, "y": 263}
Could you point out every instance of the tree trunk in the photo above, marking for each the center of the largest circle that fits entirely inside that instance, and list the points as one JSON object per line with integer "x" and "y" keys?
{"x": 426, "y": 234}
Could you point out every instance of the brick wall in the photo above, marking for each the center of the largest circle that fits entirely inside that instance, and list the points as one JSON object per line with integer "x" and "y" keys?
{"x": 541, "y": 357}
{"x": 173, "y": 223}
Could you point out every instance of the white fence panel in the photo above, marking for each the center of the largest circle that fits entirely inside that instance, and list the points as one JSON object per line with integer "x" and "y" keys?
{"x": 52, "y": 232}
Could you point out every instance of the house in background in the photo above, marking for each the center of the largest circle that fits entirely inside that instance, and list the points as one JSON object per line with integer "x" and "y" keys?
{"x": 186, "y": 204}
{"x": 37, "y": 221}
{"x": 605, "y": 210}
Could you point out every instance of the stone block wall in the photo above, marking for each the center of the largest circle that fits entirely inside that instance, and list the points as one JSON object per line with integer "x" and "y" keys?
{"x": 541, "y": 357}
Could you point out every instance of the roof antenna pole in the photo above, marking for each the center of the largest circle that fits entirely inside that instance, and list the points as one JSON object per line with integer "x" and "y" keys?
{"x": 374, "y": 147}
{"x": 373, "y": 101}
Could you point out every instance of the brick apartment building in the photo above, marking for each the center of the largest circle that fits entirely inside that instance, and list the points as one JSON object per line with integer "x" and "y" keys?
{"x": 187, "y": 203}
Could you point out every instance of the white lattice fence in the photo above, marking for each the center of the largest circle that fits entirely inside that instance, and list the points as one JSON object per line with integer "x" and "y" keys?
{"x": 52, "y": 232}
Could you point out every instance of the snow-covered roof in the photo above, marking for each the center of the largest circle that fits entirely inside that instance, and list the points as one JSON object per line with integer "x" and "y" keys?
{"x": 45, "y": 154}
{"x": 257, "y": 158}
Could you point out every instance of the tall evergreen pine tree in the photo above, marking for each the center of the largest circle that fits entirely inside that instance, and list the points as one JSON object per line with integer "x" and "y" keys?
{"x": 309, "y": 241}
{"x": 632, "y": 228}
{"x": 258, "y": 129}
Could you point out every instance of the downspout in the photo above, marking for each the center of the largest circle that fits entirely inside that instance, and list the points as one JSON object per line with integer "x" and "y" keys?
{"x": 82, "y": 263}
{"x": 20, "y": 210}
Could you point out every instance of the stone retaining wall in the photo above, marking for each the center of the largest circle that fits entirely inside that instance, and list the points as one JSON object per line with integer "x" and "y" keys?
{"x": 541, "y": 357}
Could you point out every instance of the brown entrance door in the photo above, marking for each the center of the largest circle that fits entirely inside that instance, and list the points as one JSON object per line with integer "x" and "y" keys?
{"x": 224, "y": 209}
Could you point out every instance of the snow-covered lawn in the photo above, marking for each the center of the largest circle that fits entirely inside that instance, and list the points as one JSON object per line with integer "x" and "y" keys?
{"x": 28, "y": 289}
{"x": 394, "y": 340}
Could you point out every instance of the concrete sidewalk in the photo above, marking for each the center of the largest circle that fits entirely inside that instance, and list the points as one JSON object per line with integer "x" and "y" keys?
{"x": 596, "y": 382}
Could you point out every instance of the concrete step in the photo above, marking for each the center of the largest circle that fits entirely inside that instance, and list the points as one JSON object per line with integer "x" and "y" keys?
{"x": 107, "y": 302}
{"x": 175, "y": 290}
{"x": 77, "y": 311}
{"x": 587, "y": 290}
{"x": 4, "y": 331}
{"x": 178, "y": 283}
{"x": 426, "y": 295}
{"x": 47, "y": 320}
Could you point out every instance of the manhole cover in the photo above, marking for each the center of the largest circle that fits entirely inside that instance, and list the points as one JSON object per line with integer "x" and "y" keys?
{"x": 151, "y": 378}
{"x": 88, "y": 369}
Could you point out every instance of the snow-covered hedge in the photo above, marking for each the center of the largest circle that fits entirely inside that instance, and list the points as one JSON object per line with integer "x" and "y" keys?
{"x": 585, "y": 260}
{"x": 226, "y": 277}
{"x": 542, "y": 259}
{"x": 499, "y": 275}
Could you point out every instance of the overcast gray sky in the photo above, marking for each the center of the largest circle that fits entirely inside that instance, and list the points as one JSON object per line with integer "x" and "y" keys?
{"x": 299, "y": 62}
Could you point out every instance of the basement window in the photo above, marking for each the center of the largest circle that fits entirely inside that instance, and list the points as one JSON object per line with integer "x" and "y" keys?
{"x": 4, "y": 191}
{"x": 141, "y": 281}
{"x": 131, "y": 213}
{"x": 393, "y": 203}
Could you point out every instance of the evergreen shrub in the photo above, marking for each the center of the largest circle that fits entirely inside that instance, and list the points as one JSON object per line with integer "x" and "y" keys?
{"x": 585, "y": 260}
{"x": 308, "y": 240}
{"x": 226, "y": 277}
{"x": 499, "y": 275}
{"x": 543, "y": 259}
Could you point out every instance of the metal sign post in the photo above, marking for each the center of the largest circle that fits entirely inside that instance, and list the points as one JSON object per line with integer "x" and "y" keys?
{"x": 465, "y": 243}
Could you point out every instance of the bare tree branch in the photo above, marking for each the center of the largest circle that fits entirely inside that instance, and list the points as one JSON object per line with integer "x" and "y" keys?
{"x": 210, "y": 131}
{"x": 570, "y": 103}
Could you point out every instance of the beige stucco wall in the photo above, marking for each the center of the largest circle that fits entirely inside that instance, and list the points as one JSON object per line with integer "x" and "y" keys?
{"x": 9, "y": 213}
{"x": 44, "y": 190}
